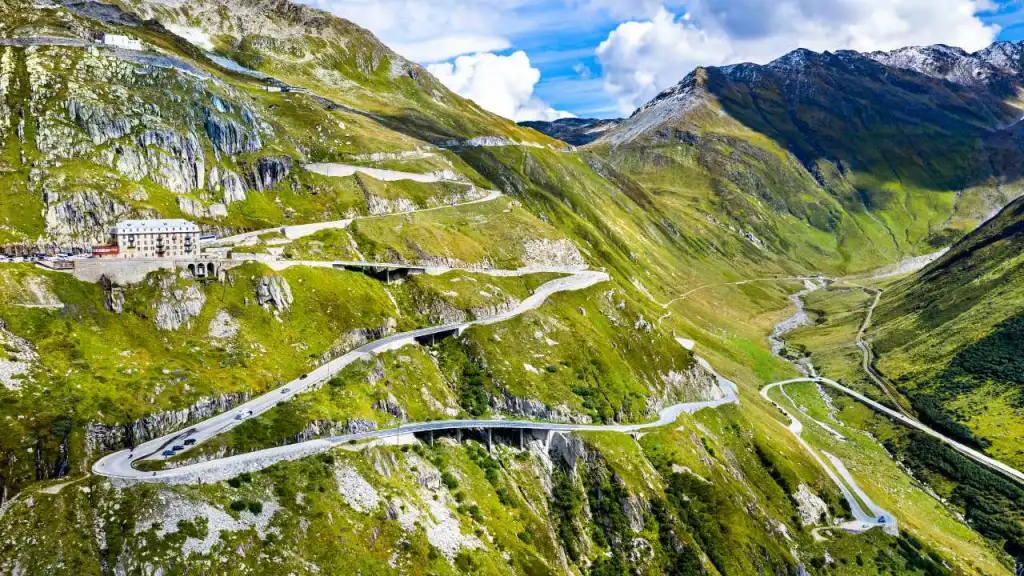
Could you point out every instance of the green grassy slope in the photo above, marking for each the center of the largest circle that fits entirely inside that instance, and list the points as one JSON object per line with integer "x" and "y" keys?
{"x": 952, "y": 332}
{"x": 672, "y": 242}
{"x": 823, "y": 157}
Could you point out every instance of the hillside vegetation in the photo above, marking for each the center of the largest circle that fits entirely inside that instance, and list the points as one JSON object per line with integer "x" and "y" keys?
{"x": 704, "y": 228}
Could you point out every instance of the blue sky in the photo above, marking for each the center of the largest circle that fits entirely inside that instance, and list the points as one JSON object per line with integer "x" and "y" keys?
{"x": 542, "y": 59}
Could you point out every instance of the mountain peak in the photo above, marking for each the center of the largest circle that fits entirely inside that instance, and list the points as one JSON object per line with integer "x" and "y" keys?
{"x": 956, "y": 64}
{"x": 995, "y": 72}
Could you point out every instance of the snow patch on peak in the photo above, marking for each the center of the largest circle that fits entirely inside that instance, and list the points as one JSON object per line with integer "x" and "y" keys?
{"x": 795, "y": 60}
{"x": 669, "y": 106}
{"x": 954, "y": 64}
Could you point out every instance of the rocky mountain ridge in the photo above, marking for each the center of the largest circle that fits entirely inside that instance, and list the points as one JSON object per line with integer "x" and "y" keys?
{"x": 994, "y": 73}
{"x": 574, "y": 131}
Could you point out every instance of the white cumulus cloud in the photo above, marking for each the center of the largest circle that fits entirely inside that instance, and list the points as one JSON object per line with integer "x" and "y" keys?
{"x": 449, "y": 46}
{"x": 500, "y": 84}
{"x": 641, "y": 58}
{"x": 432, "y": 31}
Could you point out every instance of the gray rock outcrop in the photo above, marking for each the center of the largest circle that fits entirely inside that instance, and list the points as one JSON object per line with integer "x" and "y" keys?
{"x": 530, "y": 408}
{"x": 390, "y": 405}
{"x": 268, "y": 172}
{"x": 274, "y": 292}
{"x": 356, "y": 338}
{"x": 378, "y": 206}
{"x": 231, "y": 138}
{"x": 99, "y": 122}
{"x": 326, "y": 428}
{"x": 544, "y": 252}
{"x": 175, "y": 161}
{"x": 693, "y": 383}
{"x": 82, "y": 216}
{"x": 494, "y": 309}
{"x": 179, "y": 305}
{"x": 227, "y": 184}
{"x": 114, "y": 300}
{"x": 197, "y": 209}
{"x": 109, "y": 438}
{"x": 568, "y": 448}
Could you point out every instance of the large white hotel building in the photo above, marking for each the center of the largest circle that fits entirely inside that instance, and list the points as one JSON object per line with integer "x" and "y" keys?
{"x": 174, "y": 238}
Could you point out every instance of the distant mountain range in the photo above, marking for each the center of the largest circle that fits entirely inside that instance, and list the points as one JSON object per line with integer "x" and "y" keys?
{"x": 575, "y": 131}
{"x": 997, "y": 71}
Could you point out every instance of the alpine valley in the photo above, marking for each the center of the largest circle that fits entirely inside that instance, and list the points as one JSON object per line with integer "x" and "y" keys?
{"x": 770, "y": 323}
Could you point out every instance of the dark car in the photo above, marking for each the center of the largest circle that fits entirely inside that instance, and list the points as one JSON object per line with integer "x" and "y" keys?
{"x": 178, "y": 447}
{"x": 303, "y": 377}
{"x": 190, "y": 442}
{"x": 286, "y": 390}
{"x": 167, "y": 453}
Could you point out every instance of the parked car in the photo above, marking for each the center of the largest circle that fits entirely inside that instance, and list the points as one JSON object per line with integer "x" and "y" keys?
{"x": 167, "y": 453}
{"x": 303, "y": 377}
{"x": 190, "y": 442}
{"x": 177, "y": 447}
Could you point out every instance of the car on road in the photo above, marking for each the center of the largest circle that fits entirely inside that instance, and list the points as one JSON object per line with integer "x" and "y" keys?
{"x": 303, "y": 377}
{"x": 240, "y": 416}
{"x": 178, "y": 447}
{"x": 286, "y": 390}
{"x": 189, "y": 442}
{"x": 167, "y": 453}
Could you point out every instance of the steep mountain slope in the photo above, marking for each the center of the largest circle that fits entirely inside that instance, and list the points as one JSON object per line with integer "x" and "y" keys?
{"x": 93, "y": 134}
{"x": 882, "y": 151}
{"x": 952, "y": 333}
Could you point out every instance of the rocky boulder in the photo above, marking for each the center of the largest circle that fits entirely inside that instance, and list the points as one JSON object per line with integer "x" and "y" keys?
{"x": 274, "y": 292}
{"x": 390, "y": 405}
{"x": 179, "y": 305}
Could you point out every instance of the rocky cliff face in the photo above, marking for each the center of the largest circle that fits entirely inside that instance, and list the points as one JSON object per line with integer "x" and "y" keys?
{"x": 110, "y": 438}
{"x": 530, "y": 408}
{"x": 139, "y": 120}
{"x": 19, "y": 358}
{"x": 695, "y": 383}
{"x": 179, "y": 304}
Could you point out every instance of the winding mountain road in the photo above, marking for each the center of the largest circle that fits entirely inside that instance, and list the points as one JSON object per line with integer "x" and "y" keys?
{"x": 867, "y": 353}
{"x": 862, "y": 520}
{"x": 119, "y": 465}
{"x": 971, "y": 453}
{"x": 296, "y": 231}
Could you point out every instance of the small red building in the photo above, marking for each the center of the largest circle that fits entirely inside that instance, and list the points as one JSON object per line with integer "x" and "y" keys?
{"x": 105, "y": 251}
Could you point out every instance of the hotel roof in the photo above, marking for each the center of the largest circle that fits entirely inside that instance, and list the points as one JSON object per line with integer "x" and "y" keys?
{"x": 154, "y": 226}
